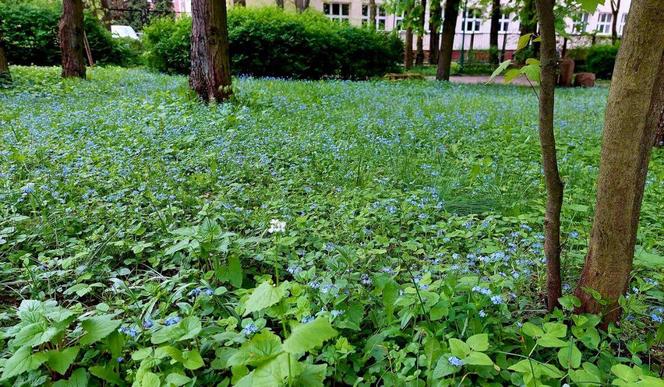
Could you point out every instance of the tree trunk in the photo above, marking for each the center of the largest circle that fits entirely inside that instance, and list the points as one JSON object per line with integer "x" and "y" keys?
{"x": 447, "y": 40}
{"x": 434, "y": 34}
{"x": 280, "y": 3}
{"x": 633, "y": 112}
{"x": 615, "y": 8}
{"x": 210, "y": 73}
{"x": 493, "y": 32}
{"x": 300, "y": 5}
{"x": 240, "y": 3}
{"x": 372, "y": 14}
{"x": 5, "y": 76}
{"x": 659, "y": 133}
{"x": 419, "y": 58}
{"x": 408, "y": 49}
{"x": 554, "y": 186}
{"x": 70, "y": 32}
{"x": 106, "y": 14}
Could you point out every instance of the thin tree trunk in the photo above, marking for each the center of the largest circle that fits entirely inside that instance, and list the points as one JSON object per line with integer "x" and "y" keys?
{"x": 300, "y": 5}
{"x": 659, "y": 133}
{"x": 408, "y": 49}
{"x": 70, "y": 32}
{"x": 210, "y": 73}
{"x": 554, "y": 186}
{"x": 240, "y": 3}
{"x": 372, "y": 14}
{"x": 280, "y": 3}
{"x": 106, "y": 14}
{"x": 419, "y": 58}
{"x": 634, "y": 110}
{"x": 5, "y": 76}
{"x": 615, "y": 8}
{"x": 434, "y": 34}
{"x": 447, "y": 40}
{"x": 493, "y": 32}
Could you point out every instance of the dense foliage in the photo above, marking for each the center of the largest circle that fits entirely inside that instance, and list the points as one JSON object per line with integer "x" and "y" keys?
{"x": 30, "y": 32}
{"x": 600, "y": 60}
{"x": 271, "y": 42}
{"x": 311, "y": 231}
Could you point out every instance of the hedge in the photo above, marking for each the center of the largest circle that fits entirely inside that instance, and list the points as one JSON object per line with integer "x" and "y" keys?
{"x": 272, "y": 42}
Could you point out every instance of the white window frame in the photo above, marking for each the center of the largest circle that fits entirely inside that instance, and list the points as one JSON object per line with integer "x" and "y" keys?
{"x": 398, "y": 22}
{"x": 504, "y": 23}
{"x": 604, "y": 20}
{"x": 328, "y": 10}
{"x": 381, "y": 16}
{"x": 475, "y": 21}
{"x": 622, "y": 24}
{"x": 582, "y": 25}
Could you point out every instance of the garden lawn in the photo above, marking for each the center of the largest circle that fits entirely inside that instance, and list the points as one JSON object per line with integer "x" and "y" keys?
{"x": 412, "y": 219}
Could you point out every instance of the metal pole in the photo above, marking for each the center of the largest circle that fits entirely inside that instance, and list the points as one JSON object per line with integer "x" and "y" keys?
{"x": 463, "y": 33}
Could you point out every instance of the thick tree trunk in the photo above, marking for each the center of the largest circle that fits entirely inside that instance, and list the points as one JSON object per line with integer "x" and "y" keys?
{"x": 5, "y": 76}
{"x": 554, "y": 186}
{"x": 493, "y": 32}
{"x": 434, "y": 34}
{"x": 419, "y": 58}
{"x": 408, "y": 49}
{"x": 210, "y": 73}
{"x": 70, "y": 32}
{"x": 447, "y": 40}
{"x": 615, "y": 8}
{"x": 372, "y": 13}
{"x": 634, "y": 110}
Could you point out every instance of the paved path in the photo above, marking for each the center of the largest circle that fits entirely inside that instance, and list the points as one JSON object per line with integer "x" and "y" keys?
{"x": 479, "y": 79}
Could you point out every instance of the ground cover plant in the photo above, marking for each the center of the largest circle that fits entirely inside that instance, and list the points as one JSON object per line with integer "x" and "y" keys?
{"x": 354, "y": 233}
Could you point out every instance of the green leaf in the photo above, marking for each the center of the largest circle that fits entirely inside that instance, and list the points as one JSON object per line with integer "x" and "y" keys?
{"x": 78, "y": 378}
{"x": 523, "y": 41}
{"x": 106, "y": 374}
{"x": 262, "y": 347}
{"x": 459, "y": 348}
{"x": 532, "y": 330}
{"x": 60, "y": 361}
{"x": 22, "y": 361}
{"x": 478, "y": 358}
{"x": 533, "y": 61}
{"x": 98, "y": 327}
{"x": 569, "y": 356}
{"x": 511, "y": 75}
{"x": 34, "y": 334}
{"x": 264, "y": 296}
{"x": 590, "y": 6}
{"x": 625, "y": 373}
{"x": 186, "y": 329}
{"x": 177, "y": 380}
{"x": 150, "y": 380}
{"x": 192, "y": 360}
{"x": 310, "y": 375}
{"x": 555, "y": 329}
{"x": 444, "y": 368}
{"x": 531, "y": 71}
{"x": 502, "y": 67}
{"x": 233, "y": 271}
{"x": 551, "y": 342}
{"x": 308, "y": 336}
{"x": 569, "y": 302}
{"x": 479, "y": 342}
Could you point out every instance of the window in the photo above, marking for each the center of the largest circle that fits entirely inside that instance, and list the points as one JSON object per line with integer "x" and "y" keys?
{"x": 504, "y": 23}
{"x": 381, "y": 16}
{"x": 398, "y": 23}
{"x": 604, "y": 23}
{"x": 581, "y": 24}
{"x": 472, "y": 20}
{"x": 337, "y": 11}
{"x": 623, "y": 21}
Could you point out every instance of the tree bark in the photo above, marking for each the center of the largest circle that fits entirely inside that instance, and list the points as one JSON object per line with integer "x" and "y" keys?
{"x": 408, "y": 49}
{"x": 5, "y": 76}
{"x": 372, "y": 14}
{"x": 210, "y": 73}
{"x": 419, "y": 58}
{"x": 493, "y": 32}
{"x": 554, "y": 186}
{"x": 240, "y": 3}
{"x": 634, "y": 110}
{"x": 106, "y": 14}
{"x": 615, "y": 8}
{"x": 447, "y": 40}
{"x": 434, "y": 35}
{"x": 280, "y": 3}
{"x": 70, "y": 33}
{"x": 300, "y": 5}
{"x": 659, "y": 133}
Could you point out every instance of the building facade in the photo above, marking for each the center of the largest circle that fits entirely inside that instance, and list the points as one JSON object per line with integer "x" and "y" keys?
{"x": 473, "y": 24}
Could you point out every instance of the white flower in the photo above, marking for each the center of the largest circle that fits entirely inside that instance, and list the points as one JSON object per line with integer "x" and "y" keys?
{"x": 276, "y": 225}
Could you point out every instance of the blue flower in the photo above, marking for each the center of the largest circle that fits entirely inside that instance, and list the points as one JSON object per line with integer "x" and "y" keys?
{"x": 574, "y": 234}
{"x": 482, "y": 313}
{"x": 307, "y": 319}
{"x": 481, "y": 290}
{"x": 120, "y": 359}
{"x": 147, "y": 324}
{"x": 497, "y": 300}
{"x": 172, "y": 320}
{"x": 129, "y": 331}
{"x": 249, "y": 329}
{"x": 336, "y": 312}
{"x": 455, "y": 361}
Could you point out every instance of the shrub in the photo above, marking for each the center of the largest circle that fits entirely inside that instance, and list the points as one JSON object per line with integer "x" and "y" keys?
{"x": 30, "y": 33}
{"x": 271, "y": 42}
{"x": 601, "y": 59}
